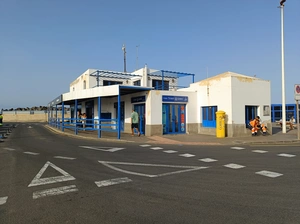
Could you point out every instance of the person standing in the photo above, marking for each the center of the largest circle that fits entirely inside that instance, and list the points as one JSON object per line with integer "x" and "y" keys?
{"x": 1, "y": 119}
{"x": 134, "y": 122}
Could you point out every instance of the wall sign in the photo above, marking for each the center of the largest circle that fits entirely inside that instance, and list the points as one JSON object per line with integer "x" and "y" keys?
{"x": 166, "y": 98}
{"x": 138, "y": 99}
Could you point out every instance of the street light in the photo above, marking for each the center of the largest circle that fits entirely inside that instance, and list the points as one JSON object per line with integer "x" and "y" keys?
{"x": 282, "y": 70}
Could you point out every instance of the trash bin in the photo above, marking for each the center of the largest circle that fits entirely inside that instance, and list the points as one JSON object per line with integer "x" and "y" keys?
{"x": 220, "y": 127}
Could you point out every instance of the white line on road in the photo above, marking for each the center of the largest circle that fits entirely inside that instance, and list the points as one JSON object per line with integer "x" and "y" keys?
{"x": 145, "y": 145}
{"x": 208, "y": 160}
{"x": 37, "y": 180}
{"x": 3, "y": 200}
{"x": 169, "y": 151}
{"x": 31, "y": 153}
{"x": 269, "y": 173}
{"x": 105, "y": 183}
{"x": 286, "y": 155}
{"x": 237, "y": 148}
{"x": 156, "y": 148}
{"x": 187, "y": 168}
{"x": 187, "y": 155}
{"x": 234, "y": 166}
{"x": 259, "y": 151}
{"x": 9, "y": 149}
{"x": 104, "y": 149}
{"x": 54, "y": 191}
{"x": 63, "y": 157}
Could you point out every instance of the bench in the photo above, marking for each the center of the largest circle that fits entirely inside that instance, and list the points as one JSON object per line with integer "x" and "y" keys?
{"x": 288, "y": 124}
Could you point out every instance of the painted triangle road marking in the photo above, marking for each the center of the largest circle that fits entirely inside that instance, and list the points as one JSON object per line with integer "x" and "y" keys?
{"x": 37, "y": 180}
{"x": 183, "y": 169}
{"x": 104, "y": 149}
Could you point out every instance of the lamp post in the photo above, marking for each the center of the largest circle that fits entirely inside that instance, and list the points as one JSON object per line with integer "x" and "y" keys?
{"x": 124, "y": 50}
{"x": 282, "y": 70}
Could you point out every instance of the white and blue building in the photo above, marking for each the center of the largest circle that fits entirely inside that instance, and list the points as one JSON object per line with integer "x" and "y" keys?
{"x": 107, "y": 97}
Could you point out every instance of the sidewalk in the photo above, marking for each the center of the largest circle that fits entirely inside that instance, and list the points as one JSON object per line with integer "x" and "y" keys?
{"x": 189, "y": 139}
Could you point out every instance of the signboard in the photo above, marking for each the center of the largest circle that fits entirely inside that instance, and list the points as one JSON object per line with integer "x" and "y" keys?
{"x": 182, "y": 118}
{"x": 297, "y": 92}
{"x": 166, "y": 98}
{"x": 138, "y": 99}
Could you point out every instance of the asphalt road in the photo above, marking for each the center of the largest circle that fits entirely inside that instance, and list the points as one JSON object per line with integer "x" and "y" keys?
{"x": 51, "y": 178}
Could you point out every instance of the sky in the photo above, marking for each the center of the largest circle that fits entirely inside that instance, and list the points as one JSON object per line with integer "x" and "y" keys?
{"x": 47, "y": 44}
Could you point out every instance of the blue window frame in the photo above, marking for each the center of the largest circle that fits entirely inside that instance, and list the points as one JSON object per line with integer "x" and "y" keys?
{"x": 158, "y": 84}
{"x": 276, "y": 111}
{"x": 137, "y": 83}
{"x": 209, "y": 116}
{"x": 109, "y": 83}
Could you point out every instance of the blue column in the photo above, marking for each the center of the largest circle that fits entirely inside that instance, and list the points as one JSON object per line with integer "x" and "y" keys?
{"x": 56, "y": 118}
{"x": 63, "y": 116}
{"x": 163, "y": 86}
{"x": 76, "y": 117}
{"x": 119, "y": 114}
{"x": 99, "y": 117}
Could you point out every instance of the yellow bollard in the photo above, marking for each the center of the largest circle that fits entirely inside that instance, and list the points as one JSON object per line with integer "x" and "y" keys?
{"x": 220, "y": 127}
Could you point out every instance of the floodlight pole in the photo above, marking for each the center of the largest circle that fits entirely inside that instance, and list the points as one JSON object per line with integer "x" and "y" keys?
{"x": 124, "y": 50}
{"x": 282, "y": 70}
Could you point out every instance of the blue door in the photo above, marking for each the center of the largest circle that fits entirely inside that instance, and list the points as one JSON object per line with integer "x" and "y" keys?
{"x": 173, "y": 118}
{"x": 140, "y": 109}
{"x": 250, "y": 113}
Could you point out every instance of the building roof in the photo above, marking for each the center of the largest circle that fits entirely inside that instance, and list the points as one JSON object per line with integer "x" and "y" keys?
{"x": 229, "y": 74}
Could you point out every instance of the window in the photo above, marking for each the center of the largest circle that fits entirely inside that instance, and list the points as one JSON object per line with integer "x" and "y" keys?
{"x": 209, "y": 116}
{"x": 137, "y": 83}
{"x": 109, "y": 83}
{"x": 160, "y": 85}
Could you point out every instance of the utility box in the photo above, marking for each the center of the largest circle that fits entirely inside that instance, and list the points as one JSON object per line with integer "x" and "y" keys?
{"x": 220, "y": 124}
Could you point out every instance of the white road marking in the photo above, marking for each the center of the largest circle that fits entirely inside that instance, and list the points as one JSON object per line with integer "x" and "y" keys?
{"x": 29, "y": 127}
{"x": 104, "y": 149}
{"x": 105, "y": 183}
{"x": 54, "y": 191}
{"x": 31, "y": 153}
{"x": 156, "y": 148}
{"x": 9, "y": 149}
{"x": 286, "y": 155}
{"x": 259, "y": 151}
{"x": 169, "y": 151}
{"x": 208, "y": 160}
{"x": 37, "y": 180}
{"x": 237, "y": 148}
{"x": 186, "y": 168}
{"x": 63, "y": 157}
{"x": 187, "y": 155}
{"x": 145, "y": 145}
{"x": 269, "y": 173}
{"x": 234, "y": 166}
{"x": 3, "y": 200}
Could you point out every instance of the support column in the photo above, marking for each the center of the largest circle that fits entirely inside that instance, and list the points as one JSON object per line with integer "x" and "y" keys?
{"x": 56, "y": 119}
{"x": 298, "y": 127}
{"x": 76, "y": 116}
{"x": 63, "y": 116}
{"x": 99, "y": 117}
{"x": 119, "y": 113}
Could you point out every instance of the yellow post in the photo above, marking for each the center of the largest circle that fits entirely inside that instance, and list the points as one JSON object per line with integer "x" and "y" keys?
{"x": 220, "y": 127}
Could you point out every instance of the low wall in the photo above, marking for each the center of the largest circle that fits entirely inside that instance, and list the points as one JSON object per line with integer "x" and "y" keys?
{"x": 26, "y": 116}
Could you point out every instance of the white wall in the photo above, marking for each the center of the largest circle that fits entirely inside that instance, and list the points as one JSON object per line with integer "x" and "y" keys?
{"x": 251, "y": 92}
{"x": 215, "y": 91}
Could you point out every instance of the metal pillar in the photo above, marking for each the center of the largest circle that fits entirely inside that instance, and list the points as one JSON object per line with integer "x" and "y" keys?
{"x": 298, "y": 127}
{"x": 99, "y": 117}
{"x": 56, "y": 118}
{"x": 162, "y": 79}
{"x": 119, "y": 113}
{"x": 282, "y": 73}
{"x": 63, "y": 116}
{"x": 76, "y": 116}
